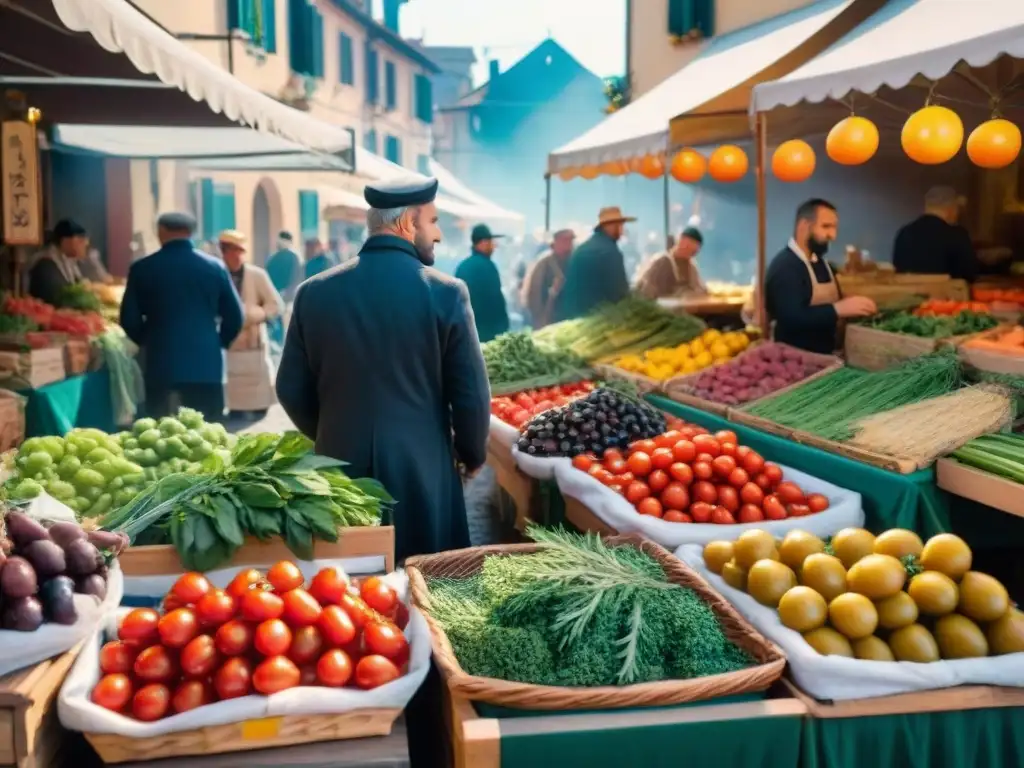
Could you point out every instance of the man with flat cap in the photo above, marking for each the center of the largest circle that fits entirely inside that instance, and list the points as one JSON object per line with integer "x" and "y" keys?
{"x": 382, "y": 368}
{"x": 674, "y": 272}
{"x": 597, "y": 271}
{"x": 481, "y": 277}
{"x": 545, "y": 278}
{"x": 935, "y": 243}
{"x": 183, "y": 311}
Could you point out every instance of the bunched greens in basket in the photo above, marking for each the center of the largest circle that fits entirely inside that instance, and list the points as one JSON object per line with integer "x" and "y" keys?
{"x": 274, "y": 486}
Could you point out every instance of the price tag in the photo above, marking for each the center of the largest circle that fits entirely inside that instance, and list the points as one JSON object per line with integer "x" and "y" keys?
{"x": 259, "y": 730}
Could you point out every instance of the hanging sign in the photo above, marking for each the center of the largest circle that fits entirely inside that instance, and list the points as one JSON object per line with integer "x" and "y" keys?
{"x": 22, "y": 222}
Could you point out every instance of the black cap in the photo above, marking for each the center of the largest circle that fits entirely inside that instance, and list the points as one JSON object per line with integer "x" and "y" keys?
{"x": 67, "y": 228}
{"x": 401, "y": 192}
{"x": 694, "y": 234}
{"x": 284, "y": 234}
{"x": 482, "y": 232}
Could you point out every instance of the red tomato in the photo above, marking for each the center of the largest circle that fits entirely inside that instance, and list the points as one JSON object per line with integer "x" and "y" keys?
{"x": 272, "y": 638}
{"x": 336, "y": 626}
{"x": 817, "y": 502}
{"x": 260, "y": 605}
{"x": 155, "y": 665}
{"x": 707, "y": 444}
{"x": 706, "y": 458}
{"x": 385, "y": 639}
{"x": 702, "y": 470}
{"x": 234, "y": 638}
{"x": 773, "y": 508}
{"x": 215, "y": 607}
{"x": 377, "y": 594}
{"x": 657, "y": 480}
{"x": 604, "y": 477}
{"x": 643, "y": 446}
{"x": 623, "y": 480}
{"x": 116, "y": 657}
{"x": 612, "y": 454}
{"x": 243, "y": 582}
{"x": 675, "y": 516}
{"x": 151, "y": 702}
{"x": 190, "y": 587}
{"x": 726, "y": 436}
{"x": 300, "y": 609}
{"x": 191, "y": 694}
{"x": 750, "y": 513}
{"x": 668, "y": 439}
{"x": 798, "y": 510}
{"x": 723, "y": 466}
{"x": 140, "y": 627}
{"x": 178, "y": 627}
{"x": 615, "y": 466}
{"x": 742, "y": 451}
{"x": 328, "y": 586}
{"x": 705, "y": 491}
{"x": 233, "y": 679}
{"x": 675, "y": 497}
{"x": 307, "y": 674}
{"x": 583, "y": 462}
{"x": 700, "y": 511}
{"x": 763, "y": 482}
{"x": 684, "y": 451}
{"x": 753, "y": 463}
{"x": 640, "y": 464}
{"x": 277, "y": 673}
{"x": 357, "y": 610}
{"x": 662, "y": 458}
{"x": 285, "y": 576}
{"x": 401, "y": 616}
{"x": 199, "y": 658}
{"x": 637, "y": 492}
{"x": 774, "y": 473}
{"x": 729, "y": 449}
{"x": 375, "y": 671}
{"x": 751, "y": 493}
{"x": 790, "y": 493}
{"x": 171, "y": 603}
{"x": 728, "y": 498}
{"x": 334, "y": 668}
{"x": 112, "y": 692}
{"x": 738, "y": 478}
{"x": 722, "y": 516}
{"x": 307, "y": 644}
{"x": 649, "y": 506}
{"x": 681, "y": 473}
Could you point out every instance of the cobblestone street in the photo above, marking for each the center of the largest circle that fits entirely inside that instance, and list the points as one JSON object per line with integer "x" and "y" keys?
{"x": 481, "y": 491}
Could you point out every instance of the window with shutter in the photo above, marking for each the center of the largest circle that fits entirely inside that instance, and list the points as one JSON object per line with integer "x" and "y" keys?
{"x": 393, "y": 149}
{"x": 298, "y": 37}
{"x": 372, "y": 75}
{"x": 269, "y": 42}
{"x": 316, "y": 43}
{"x": 424, "y": 98}
{"x": 309, "y": 214}
{"x": 691, "y": 18}
{"x": 370, "y": 140}
{"x": 390, "y": 85}
{"x": 215, "y": 207}
{"x": 346, "y": 67}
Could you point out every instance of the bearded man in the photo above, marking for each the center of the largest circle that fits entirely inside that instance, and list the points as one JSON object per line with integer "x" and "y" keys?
{"x": 382, "y": 368}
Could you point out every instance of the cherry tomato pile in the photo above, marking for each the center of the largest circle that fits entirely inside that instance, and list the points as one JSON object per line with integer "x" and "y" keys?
{"x": 48, "y": 318}
{"x": 519, "y": 409}
{"x": 265, "y": 633}
{"x": 688, "y": 475}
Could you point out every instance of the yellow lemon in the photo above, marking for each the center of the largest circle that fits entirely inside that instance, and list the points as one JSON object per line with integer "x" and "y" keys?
{"x": 711, "y": 335}
{"x": 689, "y": 366}
{"x": 696, "y": 347}
{"x": 720, "y": 351}
{"x": 703, "y": 360}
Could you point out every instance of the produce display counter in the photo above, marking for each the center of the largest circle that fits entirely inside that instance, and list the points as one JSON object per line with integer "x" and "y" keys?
{"x": 704, "y": 306}
{"x": 523, "y": 490}
{"x": 79, "y": 401}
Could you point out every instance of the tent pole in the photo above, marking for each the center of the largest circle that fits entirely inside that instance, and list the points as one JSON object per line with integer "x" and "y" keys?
{"x": 761, "y": 149}
{"x": 547, "y": 203}
{"x": 665, "y": 199}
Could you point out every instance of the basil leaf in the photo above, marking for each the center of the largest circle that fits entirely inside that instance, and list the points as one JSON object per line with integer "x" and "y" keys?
{"x": 319, "y": 517}
{"x": 226, "y": 522}
{"x": 259, "y": 495}
{"x": 298, "y": 538}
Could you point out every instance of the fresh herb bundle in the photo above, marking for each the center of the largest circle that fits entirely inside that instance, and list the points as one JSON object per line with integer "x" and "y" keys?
{"x": 934, "y": 327}
{"x": 274, "y": 486}
{"x": 515, "y": 357}
{"x": 580, "y": 613}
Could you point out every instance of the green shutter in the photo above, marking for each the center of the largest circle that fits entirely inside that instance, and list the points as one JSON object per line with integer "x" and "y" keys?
{"x": 207, "y": 203}
{"x": 298, "y": 36}
{"x": 372, "y": 74}
{"x": 223, "y": 207}
{"x": 424, "y": 94}
{"x": 370, "y": 140}
{"x": 346, "y": 66}
{"x": 316, "y": 43}
{"x": 687, "y": 16}
{"x": 269, "y": 25}
{"x": 390, "y": 85}
{"x": 309, "y": 214}
{"x": 393, "y": 149}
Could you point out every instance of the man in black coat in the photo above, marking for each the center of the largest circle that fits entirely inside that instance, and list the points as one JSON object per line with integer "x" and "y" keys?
{"x": 933, "y": 243}
{"x": 382, "y": 368}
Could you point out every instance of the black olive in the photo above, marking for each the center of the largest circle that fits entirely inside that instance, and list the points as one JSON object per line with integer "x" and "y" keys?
{"x": 578, "y": 448}
{"x": 550, "y": 446}
{"x": 565, "y": 446}
{"x": 601, "y": 416}
{"x": 605, "y": 430}
{"x": 596, "y": 447}
{"x": 634, "y": 429}
{"x": 532, "y": 450}
{"x": 613, "y": 421}
{"x": 588, "y": 413}
{"x": 536, "y": 442}
{"x": 573, "y": 432}
{"x": 629, "y": 418}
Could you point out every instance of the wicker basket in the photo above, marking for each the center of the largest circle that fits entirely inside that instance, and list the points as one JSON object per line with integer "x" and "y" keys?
{"x": 464, "y": 563}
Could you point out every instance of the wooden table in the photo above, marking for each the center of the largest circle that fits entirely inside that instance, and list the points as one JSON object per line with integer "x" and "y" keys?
{"x": 704, "y": 306}
{"x": 521, "y": 488}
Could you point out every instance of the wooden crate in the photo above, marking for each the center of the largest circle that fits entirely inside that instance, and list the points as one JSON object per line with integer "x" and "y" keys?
{"x": 521, "y": 488}
{"x": 644, "y": 384}
{"x": 12, "y": 420}
{"x": 475, "y": 741}
{"x": 31, "y": 369}
{"x": 883, "y": 286}
{"x": 77, "y": 356}
{"x": 980, "y": 486}
{"x": 31, "y": 735}
{"x": 248, "y": 735}
{"x": 991, "y": 360}
{"x": 162, "y": 559}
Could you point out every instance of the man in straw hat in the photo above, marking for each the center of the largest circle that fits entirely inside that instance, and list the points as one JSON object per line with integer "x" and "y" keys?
{"x": 382, "y": 367}
{"x": 597, "y": 272}
{"x": 545, "y": 279}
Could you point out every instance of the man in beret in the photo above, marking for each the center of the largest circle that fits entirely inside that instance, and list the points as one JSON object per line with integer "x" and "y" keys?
{"x": 596, "y": 273}
{"x": 382, "y": 368}
{"x": 181, "y": 308}
{"x": 545, "y": 278}
{"x": 674, "y": 272}
{"x": 482, "y": 279}
{"x": 50, "y": 271}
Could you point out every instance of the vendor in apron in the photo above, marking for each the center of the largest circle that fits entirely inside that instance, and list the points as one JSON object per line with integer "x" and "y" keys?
{"x": 801, "y": 293}
{"x": 51, "y": 270}
{"x": 250, "y": 385}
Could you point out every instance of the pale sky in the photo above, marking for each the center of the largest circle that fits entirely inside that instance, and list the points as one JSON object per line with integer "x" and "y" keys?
{"x": 591, "y": 30}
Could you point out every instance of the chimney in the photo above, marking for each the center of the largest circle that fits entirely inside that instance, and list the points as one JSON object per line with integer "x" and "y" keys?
{"x": 495, "y": 69}
{"x": 391, "y": 12}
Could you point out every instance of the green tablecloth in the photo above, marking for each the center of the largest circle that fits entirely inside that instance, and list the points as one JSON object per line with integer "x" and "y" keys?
{"x": 80, "y": 401}
{"x": 890, "y": 500}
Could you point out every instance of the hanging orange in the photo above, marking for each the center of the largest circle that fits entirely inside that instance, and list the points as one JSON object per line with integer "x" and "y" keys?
{"x": 590, "y": 172}
{"x": 728, "y": 163}
{"x": 615, "y": 168}
{"x": 651, "y": 167}
{"x": 568, "y": 174}
{"x": 932, "y": 135}
{"x": 793, "y": 161}
{"x": 994, "y": 144}
{"x": 688, "y": 166}
{"x": 852, "y": 141}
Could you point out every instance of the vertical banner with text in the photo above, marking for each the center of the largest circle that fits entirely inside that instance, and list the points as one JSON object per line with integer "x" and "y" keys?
{"x": 22, "y": 222}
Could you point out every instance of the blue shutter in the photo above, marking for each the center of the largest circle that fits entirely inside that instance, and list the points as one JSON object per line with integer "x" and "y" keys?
{"x": 207, "y": 217}
{"x": 316, "y": 43}
{"x": 390, "y": 85}
{"x": 298, "y": 36}
{"x": 372, "y": 75}
{"x": 309, "y": 214}
{"x": 393, "y": 149}
{"x": 346, "y": 67}
{"x": 269, "y": 25}
{"x": 370, "y": 140}
{"x": 687, "y": 16}
{"x": 424, "y": 98}
{"x": 223, "y": 207}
